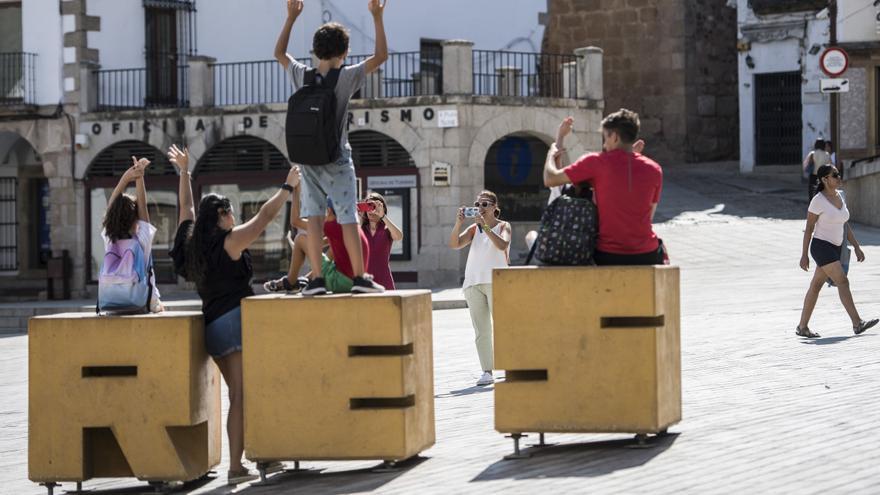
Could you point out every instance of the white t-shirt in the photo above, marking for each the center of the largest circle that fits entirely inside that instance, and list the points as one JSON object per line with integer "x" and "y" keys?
{"x": 484, "y": 257}
{"x": 145, "y": 234}
{"x": 829, "y": 226}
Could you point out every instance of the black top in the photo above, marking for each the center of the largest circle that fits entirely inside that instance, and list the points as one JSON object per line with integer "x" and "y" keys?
{"x": 226, "y": 282}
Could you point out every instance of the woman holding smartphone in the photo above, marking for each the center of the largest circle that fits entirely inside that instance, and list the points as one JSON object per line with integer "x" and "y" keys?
{"x": 381, "y": 234}
{"x": 489, "y": 238}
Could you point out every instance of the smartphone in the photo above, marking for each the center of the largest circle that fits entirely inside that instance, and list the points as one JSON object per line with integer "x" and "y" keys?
{"x": 471, "y": 212}
{"x": 365, "y": 206}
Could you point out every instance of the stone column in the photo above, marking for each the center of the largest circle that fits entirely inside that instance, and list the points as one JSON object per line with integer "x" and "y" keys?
{"x": 373, "y": 87}
{"x": 508, "y": 81}
{"x": 569, "y": 80}
{"x": 200, "y": 81}
{"x": 589, "y": 73}
{"x": 458, "y": 67}
{"x": 88, "y": 87}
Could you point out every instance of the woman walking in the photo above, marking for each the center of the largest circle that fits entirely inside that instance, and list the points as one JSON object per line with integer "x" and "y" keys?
{"x": 826, "y": 227}
{"x": 489, "y": 239}
{"x": 381, "y": 234}
{"x": 211, "y": 250}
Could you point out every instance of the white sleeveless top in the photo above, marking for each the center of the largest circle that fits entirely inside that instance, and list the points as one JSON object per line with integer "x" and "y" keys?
{"x": 820, "y": 157}
{"x": 484, "y": 257}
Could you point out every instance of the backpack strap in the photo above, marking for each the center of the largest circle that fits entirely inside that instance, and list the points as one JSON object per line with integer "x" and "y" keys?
{"x": 312, "y": 78}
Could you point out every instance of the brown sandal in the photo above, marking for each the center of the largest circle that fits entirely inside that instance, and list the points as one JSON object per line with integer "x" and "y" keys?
{"x": 805, "y": 332}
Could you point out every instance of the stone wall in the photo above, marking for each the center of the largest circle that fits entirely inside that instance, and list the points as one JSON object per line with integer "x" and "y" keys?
{"x": 673, "y": 62}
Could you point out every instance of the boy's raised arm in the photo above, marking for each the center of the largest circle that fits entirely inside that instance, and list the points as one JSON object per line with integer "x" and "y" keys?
{"x": 294, "y": 8}
{"x": 380, "y": 54}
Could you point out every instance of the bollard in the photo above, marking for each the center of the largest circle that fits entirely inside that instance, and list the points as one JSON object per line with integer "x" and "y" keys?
{"x": 338, "y": 377}
{"x": 587, "y": 349}
{"x": 121, "y": 396}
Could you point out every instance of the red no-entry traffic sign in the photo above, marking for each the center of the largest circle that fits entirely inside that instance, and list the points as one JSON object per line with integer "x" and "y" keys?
{"x": 834, "y": 61}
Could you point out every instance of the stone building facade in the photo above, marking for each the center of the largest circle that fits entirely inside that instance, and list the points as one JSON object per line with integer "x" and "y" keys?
{"x": 430, "y": 141}
{"x": 672, "y": 61}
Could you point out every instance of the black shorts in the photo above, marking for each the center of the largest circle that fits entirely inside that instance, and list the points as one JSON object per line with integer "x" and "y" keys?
{"x": 655, "y": 257}
{"x": 824, "y": 252}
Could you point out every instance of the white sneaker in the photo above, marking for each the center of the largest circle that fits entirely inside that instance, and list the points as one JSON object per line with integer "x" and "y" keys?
{"x": 486, "y": 379}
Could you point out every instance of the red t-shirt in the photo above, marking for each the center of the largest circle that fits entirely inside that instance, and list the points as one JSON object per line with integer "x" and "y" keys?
{"x": 333, "y": 232}
{"x": 626, "y": 186}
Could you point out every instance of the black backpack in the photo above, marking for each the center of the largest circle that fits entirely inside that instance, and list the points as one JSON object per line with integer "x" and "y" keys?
{"x": 312, "y": 131}
{"x": 568, "y": 231}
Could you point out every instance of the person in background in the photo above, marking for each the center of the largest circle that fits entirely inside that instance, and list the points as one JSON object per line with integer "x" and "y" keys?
{"x": 489, "y": 238}
{"x": 127, "y": 217}
{"x": 816, "y": 158}
{"x": 827, "y": 226}
{"x": 381, "y": 234}
{"x": 212, "y": 251}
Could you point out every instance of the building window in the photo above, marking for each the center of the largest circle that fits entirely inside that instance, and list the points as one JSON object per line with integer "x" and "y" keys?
{"x": 8, "y": 224}
{"x": 514, "y": 171}
{"x": 170, "y": 40}
{"x": 374, "y": 149}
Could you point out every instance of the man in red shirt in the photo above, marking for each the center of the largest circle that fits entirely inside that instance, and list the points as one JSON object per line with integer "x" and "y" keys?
{"x": 626, "y": 187}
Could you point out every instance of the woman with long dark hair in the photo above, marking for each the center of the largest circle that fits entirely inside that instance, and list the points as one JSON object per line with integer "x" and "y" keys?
{"x": 381, "y": 235}
{"x": 489, "y": 239}
{"x": 827, "y": 225}
{"x": 211, "y": 250}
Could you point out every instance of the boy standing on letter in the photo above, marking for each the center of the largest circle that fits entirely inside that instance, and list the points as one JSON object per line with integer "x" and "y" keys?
{"x": 335, "y": 181}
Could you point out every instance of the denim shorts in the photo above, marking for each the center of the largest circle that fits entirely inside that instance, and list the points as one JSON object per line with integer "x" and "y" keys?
{"x": 335, "y": 181}
{"x": 223, "y": 335}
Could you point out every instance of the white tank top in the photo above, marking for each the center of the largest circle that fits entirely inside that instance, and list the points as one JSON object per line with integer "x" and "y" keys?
{"x": 484, "y": 257}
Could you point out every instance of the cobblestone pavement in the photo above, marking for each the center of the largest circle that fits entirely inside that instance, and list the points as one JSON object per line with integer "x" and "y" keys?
{"x": 763, "y": 410}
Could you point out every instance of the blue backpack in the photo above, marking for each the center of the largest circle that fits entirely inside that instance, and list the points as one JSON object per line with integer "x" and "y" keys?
{"x": 124, "y": 285}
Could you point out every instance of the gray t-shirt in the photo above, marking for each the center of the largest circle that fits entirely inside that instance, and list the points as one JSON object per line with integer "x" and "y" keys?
{"x": 351, "y": 79}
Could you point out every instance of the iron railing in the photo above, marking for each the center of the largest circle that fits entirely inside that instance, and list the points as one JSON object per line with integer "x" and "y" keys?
{"x": 17, "y": 78}
{"x": 122, "y": 89}
{"x": 501, "y": 73}
{"x": 250, "y": 83}
{"x": 404, "y": 74}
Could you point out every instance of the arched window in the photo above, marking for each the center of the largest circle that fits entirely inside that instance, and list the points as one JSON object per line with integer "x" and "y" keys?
{"x": 374, "y": 149}
{"x": 242, "y": 154}
{"x": 101, "y": 178}
{"x": 514, "y": 171}
{"x": 24, "y": 227}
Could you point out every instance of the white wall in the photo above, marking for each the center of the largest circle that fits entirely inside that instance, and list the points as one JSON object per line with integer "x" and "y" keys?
{"x": 120, "y": 42}
{"x": 785, "y": 55}
{"x": 858, "y": 20}
{"x": 236, "y": 30}
{"x": 41, "y": 34}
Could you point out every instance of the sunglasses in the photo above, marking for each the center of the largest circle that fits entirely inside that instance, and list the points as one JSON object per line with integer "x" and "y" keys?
{"x": 835, "y": 175}
{"x": 483, "y": 204}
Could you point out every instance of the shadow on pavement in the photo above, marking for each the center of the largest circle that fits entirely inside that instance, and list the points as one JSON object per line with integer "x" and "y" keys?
{"x": 577, "y": 460}
{"x": 833, "y": 340}
{"x": 333, "y": 483}
{"x": 476, "y": 389}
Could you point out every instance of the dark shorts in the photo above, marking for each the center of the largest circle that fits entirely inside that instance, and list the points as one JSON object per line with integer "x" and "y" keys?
{"x": 824, "y": 252}
{"x": 223, "y": 335}
{"x": 656, "y": 257}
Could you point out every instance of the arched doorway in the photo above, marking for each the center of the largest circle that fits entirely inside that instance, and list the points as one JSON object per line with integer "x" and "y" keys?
{"x": 24, "y": 199}
{"x": 514, "y": 171}
{"x": 384, "y": 166}
{"x": 248, "y": 171}
{"x": 161, "y": 180}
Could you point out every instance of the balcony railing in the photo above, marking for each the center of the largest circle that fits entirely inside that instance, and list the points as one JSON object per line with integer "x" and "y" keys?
{"x": 500, "y": 73}
{"x": 132, "y": 89}
{"x": 251, "y": 83}
{"x": 404, "y": 74}
{"x": 17, "y": 78}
